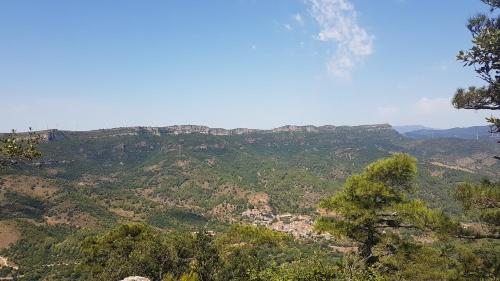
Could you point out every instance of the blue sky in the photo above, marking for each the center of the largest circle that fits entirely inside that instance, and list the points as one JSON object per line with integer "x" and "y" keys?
{"x": 242, "y": 63}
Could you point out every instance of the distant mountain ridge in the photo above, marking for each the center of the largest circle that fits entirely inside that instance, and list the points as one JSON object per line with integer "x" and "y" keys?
{"x": 471, "y": 133}
{"x": 55, "y": 134}
{"x": 409, "y": 128}
{"x": 411, "y": 131}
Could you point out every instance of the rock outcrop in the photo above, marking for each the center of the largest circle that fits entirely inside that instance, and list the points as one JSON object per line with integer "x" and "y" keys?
{"x": 136, "y": 278}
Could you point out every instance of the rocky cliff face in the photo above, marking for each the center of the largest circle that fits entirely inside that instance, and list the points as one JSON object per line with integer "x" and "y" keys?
{"x": 54, "y": 135}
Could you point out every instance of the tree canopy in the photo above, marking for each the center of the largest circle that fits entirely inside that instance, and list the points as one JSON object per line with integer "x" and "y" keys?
{"x": 483, "y": 201}
{"x": 15, "y": 148}
{"x": 484, "y": 56}
{"x": 374, "y": 205}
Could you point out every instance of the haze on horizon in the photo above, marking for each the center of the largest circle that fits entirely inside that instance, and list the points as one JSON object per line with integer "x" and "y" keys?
{"x": 83, "y": 65}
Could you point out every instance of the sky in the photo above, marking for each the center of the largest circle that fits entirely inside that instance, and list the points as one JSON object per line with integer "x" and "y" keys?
{"x": 92, "y": 64}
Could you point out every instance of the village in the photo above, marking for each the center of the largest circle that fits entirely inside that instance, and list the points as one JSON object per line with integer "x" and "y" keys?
{"x": 299, "y": 226}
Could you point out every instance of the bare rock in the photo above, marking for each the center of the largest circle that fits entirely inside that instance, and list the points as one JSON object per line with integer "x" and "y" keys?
{"x": 136, "y": 278}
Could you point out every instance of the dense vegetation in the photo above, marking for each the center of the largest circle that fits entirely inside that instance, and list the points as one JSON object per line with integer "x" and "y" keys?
{"x": 107, "y": 204}
{"x": 14, "y": 149}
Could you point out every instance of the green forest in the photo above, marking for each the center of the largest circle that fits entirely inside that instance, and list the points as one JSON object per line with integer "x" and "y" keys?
{"x": 347, "y": 204}
{"x": 398, "y": 237}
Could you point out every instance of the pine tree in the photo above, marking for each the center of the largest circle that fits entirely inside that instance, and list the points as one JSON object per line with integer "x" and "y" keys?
{"x": 15, "y": 148}
{"x": 484, "y": 56}
{"x": 374, "y": 204}
{"x": 482, "y": 200}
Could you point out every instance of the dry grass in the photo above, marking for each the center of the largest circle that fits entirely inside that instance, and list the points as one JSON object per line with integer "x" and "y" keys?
{"x": 451, "y": 167}
{"x": 29, "y": 185}
{"x": 123, "y": 213}
{"x": 78, "y": 220}
{"x": 9, "y": 234}
{"x": 259, "y": 198}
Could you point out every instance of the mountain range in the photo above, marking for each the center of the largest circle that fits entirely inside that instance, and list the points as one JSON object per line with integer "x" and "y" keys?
{"x": 471, "y": 133}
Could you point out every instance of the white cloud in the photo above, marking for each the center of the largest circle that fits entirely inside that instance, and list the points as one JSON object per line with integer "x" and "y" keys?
{"x": 337, "y": 20}
{"x": 298, "y": 19}
{"x": 340, "y": 65}
{"x": 287, "y": 26}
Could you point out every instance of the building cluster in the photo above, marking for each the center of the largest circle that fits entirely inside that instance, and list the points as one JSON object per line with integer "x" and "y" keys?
{"x": 299, "y": 226}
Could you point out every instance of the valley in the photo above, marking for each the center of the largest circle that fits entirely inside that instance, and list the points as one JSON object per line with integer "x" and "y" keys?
{"x": 195, "y": 177}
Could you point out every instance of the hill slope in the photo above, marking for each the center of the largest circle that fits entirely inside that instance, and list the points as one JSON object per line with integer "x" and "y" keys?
{"x": 194, "y": 174}
{"x": 471, "y": 133}
{"x": 190, "y": 177}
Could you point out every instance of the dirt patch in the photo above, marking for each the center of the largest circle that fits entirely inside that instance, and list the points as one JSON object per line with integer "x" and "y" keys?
{"x": 488, "y": 162}
{"x": 28, "y": 185}
{"x": 424, "y": 239}
{"x": 233, "y": 190}
{"x": 9, "y": 234}
{"x": 123, "y": 213}
{"x": 182, "y": 163}
{"x": 328, "y": 213}
{"x": 451, "y": 167}
{"x": 465, "y": 162}
{"x": 145, "y": 192}
{"x": 78, "y": 220}
{"x": 224, "y": 212}
{"x": 259, "y": 198}
{"x": 92, "y": 180}
{"x": 476, "y": 228}
{"x": 436, "y": 173}
{"x": 260, "y": 201}
{"x": 53, "y": 171}
{"x": 311, "y": 199}
{"x": 56, "y": 220}
{"x": 344, "y": 250}
{"x": 476, "y": 162}
{"x": 154, "y": 168}
{"x": 211, "y": 161}
{"x": 339, "y": 174}
{"x": 84, "y": 220}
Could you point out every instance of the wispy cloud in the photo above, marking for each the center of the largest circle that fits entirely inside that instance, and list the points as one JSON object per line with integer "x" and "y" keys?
{"x": 338, "y": 24}
{"x": 298, "y": 19}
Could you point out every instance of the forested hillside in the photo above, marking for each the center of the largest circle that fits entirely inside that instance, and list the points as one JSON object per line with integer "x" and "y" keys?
{"x": 188, "y": 178}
